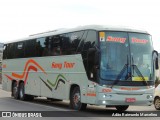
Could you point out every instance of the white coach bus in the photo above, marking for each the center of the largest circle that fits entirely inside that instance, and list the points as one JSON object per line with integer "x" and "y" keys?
{"x": 95, "y": 65}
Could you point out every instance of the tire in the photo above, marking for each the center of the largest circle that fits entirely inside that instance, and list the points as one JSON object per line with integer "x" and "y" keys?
{"x": 15, "y": 90}
{"x": 122, "y": 108}
{"x": 157, "y": 103}
{"x": 75, "y": 100}
{"x": 22, "y": 94}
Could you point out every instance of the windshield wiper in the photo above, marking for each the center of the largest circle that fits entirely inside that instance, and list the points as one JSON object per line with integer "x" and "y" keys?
{"x": 121, "y": 73}
{"x": 138, "y": 72}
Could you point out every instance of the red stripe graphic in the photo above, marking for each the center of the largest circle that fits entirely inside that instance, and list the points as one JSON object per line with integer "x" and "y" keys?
{"x": 23, "y": 74}
{"x": 10, "y": 78}
{"x": 27, "y": 68}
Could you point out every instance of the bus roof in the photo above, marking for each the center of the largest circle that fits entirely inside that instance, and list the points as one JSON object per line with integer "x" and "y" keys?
{"x": 80, "y": 28}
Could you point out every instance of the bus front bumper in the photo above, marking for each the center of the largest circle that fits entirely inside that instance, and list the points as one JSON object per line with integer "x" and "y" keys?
{"x": 120, "y": 99}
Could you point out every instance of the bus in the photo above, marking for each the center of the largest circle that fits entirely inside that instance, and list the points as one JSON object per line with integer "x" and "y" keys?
{"x": 93, "y": 64}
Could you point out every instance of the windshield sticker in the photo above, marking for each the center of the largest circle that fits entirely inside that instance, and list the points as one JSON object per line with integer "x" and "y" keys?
{"x": 116, "y": 39}
{"x": 136, "y": 40}
{"x": 102, "y": 36}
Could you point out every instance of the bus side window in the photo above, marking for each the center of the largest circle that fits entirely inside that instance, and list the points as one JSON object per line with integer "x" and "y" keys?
{"x": 70, "y": 42}
{"x": 90, "y": 42}
{"x": 80, "y": 46}
{"x": 19, "y": 50}
{"x": 11, "y": 51}
{"x": 30, "y": 48}
{"x": 5, "y": 51}
{"x": 66, "y": 44}
{"x": 75, "y": 39}
{"x": 42, "y": 47}
{"x": 56, "y": 46}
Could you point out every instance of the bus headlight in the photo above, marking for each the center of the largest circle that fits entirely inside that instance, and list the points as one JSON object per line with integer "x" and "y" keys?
{"x": 149, "y": 96}
{"x": 104, "y": 102}
{"x": 107, "y": 96}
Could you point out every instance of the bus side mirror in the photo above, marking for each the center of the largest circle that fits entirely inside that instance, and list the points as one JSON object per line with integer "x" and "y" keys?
{"x": 93, "y": 56}
{"x": 156, "y": 64}
{"x": 156, "y": 59}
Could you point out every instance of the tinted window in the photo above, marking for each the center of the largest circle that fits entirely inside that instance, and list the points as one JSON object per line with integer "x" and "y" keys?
{"x": 75, "y": 39}
{"x": 30, "y": 48}
{"x": 5, "y": 51}
{"x": 80, "y": 47}
{"x": 19, "y": 50}
{"x": 56, "y": 45}
{"x": 70, "y": 42}
{"x": 11, "y": 51}
{"x": 42, "y": 47}
{"x": 90, "y": 40}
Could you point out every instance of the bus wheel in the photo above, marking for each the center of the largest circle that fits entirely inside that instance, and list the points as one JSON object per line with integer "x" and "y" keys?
{"x": 157, "y": 103}
{"x": 15, "y": 91}
{"x": 122, "y": 108}
{"x": 22, "y": 94}
{"x": 22, "y": 91}
{"x": 75, "y": 100}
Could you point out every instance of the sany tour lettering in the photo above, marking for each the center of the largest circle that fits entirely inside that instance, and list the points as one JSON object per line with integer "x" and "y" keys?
{"x": 67, "y": 65}
{"x": 116, "y": 39}
{"x": 136, "y": 40}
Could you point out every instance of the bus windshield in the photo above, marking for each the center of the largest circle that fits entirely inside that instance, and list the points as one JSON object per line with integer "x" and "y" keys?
{"x": 125, "y": 56}
{"x": 141, "y": 56}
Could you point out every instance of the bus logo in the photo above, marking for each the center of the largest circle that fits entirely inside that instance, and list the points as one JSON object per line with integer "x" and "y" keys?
{"x": 136, "y": 40}
{"x": 116, "y": 39}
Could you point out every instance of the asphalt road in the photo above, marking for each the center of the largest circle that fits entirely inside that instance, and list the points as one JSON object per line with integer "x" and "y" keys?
{"x": 61, "y": 109}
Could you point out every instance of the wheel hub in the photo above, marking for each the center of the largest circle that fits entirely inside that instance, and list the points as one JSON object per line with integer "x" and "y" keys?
{"x": 76, "y": 98}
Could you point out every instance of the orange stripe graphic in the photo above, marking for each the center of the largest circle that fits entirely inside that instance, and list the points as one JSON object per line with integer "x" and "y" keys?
{"x": 23, "y": 74}
{"x": 29, "y": 68}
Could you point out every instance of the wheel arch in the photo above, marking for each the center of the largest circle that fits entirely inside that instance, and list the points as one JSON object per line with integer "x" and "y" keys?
{"x": 156, "y": 98}
{"x": 20, "y": 81}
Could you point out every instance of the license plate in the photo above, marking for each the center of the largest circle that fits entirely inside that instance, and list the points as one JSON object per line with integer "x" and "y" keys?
{"x": 130, "y": 100}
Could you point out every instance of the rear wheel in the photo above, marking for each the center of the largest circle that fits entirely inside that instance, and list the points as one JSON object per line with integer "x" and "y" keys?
{"x": 157, "y": 103}
{"x": 22, "y": 94}
{"x": 122, "y": 108}
{"x": 15, "y": 90}
{"x": 75, "y": 100}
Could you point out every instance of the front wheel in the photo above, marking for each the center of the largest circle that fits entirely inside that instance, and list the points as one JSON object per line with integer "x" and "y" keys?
{"x": 75, "y": 100}
{"x": 122, "y": 108}
{"x": 157, "y": 103}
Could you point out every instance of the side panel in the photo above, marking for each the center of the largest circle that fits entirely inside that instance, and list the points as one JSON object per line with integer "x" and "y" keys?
{"x": 47, "y": 76}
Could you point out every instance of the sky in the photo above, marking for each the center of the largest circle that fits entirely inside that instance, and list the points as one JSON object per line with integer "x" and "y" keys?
{"x": 21, "y": 18}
